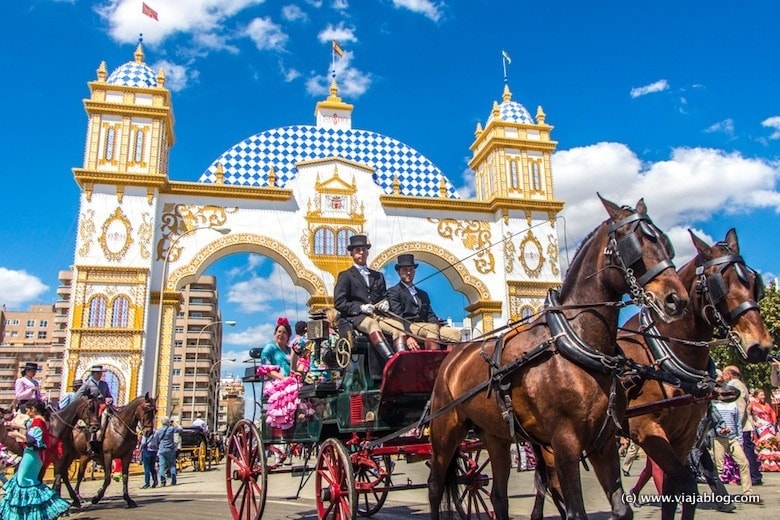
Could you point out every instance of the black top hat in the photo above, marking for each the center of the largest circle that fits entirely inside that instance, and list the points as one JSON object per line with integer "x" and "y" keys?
{"x": 405, "y": 260}
{"x": 29, "y": 366}
{"x": 358, "y": 241}
{"x": 97, "y": 368}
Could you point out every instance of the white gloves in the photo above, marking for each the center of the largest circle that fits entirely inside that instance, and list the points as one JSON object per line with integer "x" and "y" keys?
{"x": 382, "y": 306}
{"x": 367, "y": 308}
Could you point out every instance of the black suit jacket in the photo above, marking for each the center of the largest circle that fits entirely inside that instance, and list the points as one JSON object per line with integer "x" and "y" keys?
{"x": 351, "y": 292}
{"x": 402, "y": 303}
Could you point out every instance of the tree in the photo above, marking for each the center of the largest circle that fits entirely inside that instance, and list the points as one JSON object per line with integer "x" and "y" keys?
{"x": 756, "y": 375}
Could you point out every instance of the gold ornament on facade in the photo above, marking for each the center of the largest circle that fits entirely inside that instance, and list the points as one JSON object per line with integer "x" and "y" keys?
{"x": 531, "y": 256}
{"x": 145, "y": 231}
{"x": 178, "y": 219}
{"x": 86, "y": 231}
{"x": 116, "y": 238}
{"x": 552, "y": 254}
{"x": 475, "y": 235}
{"x": 509, "y": 253}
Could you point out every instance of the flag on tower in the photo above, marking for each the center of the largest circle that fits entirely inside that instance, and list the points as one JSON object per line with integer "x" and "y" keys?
{"x": 506, "y": 57}
{"x": 148, "y": 11}
{"x": 337, "y": 49}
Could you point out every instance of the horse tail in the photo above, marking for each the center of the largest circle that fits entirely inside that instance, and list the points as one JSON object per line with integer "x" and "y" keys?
{"x": 451, "y": 494}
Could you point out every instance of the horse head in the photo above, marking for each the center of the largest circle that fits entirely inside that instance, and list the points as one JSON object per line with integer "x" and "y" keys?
{"x": 640, "y": 257}
{"x": 727, "y": 293}
{"x": 145, "y": 413}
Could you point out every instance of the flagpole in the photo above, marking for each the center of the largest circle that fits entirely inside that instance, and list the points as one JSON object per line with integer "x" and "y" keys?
{"x": 332, "y": 62}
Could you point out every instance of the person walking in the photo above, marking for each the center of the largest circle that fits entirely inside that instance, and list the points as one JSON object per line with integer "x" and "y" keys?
{"x": 632, "y": 452}
{"x": 149, "y": 446}
{"x": 26, "y": 496}
{"x": 166, "y": 449}
{"x": 731, "y": 375}
{"x": 728, "y": 439}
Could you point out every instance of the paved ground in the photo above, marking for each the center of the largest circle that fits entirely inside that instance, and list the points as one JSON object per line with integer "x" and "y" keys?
{"x": 202, "y": 495}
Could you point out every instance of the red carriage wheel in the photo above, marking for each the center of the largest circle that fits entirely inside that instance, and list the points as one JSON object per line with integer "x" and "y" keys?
{"x": 371, "y": 473}
{"x": 246, "y": 472}
{"x": 473, "y": 499}
{"x": 334, "y": 483}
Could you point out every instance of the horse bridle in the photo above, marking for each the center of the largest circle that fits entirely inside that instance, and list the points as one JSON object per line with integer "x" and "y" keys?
{"x": 628, "y": 254}
{"x": 712, "y": 290}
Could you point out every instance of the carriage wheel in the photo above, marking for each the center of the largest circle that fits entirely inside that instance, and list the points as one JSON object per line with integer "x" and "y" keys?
{"x": 371, "y": 472}
{"x": 343, "y": 351}
{"x": 473, "y": 499}
{"x": 334, "y": 483}
{"x": 202, "y": 456}
{"x": 245, "y": 472}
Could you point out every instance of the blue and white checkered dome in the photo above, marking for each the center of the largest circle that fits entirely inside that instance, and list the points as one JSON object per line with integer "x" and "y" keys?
{"x": 133, "y": 74}
{"x": 248, "y": 162}
{"x": 512, "y": 112}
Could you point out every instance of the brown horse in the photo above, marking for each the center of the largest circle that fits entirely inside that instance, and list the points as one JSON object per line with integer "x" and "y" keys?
{"x": 80, "y": 415}
{"x": 119, "y": 441}
{"x": 566, "y": 396}
{"x": 723, "y": 293}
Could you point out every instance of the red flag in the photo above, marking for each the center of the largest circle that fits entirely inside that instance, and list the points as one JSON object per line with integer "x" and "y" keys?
{"x": 148, "y": 11}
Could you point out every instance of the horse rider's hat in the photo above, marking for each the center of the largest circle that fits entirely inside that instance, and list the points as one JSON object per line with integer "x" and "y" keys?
{"x": 358, "y": 241}
{"x": 78, "y": 383}
{"x": 405, "y": 260}
{"x": 97, "y": 368}
{"x": 29, "y": 366}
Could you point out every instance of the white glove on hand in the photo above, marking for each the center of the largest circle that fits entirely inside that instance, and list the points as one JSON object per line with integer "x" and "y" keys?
{"x": 367, "y": 308}
{"x": 382, "y": 306}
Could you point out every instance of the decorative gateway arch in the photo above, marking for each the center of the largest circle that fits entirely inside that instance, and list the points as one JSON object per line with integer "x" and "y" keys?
{"x": 294, "y": 194}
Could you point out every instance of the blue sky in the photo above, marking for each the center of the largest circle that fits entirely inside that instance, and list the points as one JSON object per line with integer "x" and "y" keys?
{"x": 673, "y": 101}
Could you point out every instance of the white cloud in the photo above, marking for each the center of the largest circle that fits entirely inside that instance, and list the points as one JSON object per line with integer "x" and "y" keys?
{"x": 351, "y": 81}
{"x": 340, "y": 33}
{"x": 693, "y": 185}
{"x": 658, "y": 86}
{"x": 266, "y": 34}
{"x": 340, "y": 5}
{"x": 726, "y": 126}
{"x": 174, "y": 17}
{"x": 293, "y": 13}
{"x": 774, "y": 123}
{"x": 262, "y": 294}
{"x": 468, "y": 190}
{"x": 19, "y": 287}
{"x": 315, "y": 3}
{"x": 291, "y": 75}
{"x": 177, "y": 77}
{"x": 431, "y": 10}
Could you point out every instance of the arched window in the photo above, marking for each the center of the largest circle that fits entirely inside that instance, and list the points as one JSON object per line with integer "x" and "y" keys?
{"x": 514, "y": 178}
{"x": 526, "y": 312}
{"x": 139, "y": 146}
{"x": 536, "y": 176}
{"x": 120, "y": 312}
{"x": 109, "y": 148}
{"x": 97, "y": 312}
{"x": 342, "y": 239}
{"x": 324, "y": 243}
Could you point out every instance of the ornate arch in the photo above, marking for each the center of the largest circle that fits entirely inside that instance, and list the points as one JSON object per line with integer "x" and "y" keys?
{"x": 247, "y": 243}
{"x": 451, "y": 267}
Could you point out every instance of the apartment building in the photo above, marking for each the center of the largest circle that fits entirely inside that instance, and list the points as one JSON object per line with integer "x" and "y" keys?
{"x": 35, "y": 335}
{"x": 230, "y": 404}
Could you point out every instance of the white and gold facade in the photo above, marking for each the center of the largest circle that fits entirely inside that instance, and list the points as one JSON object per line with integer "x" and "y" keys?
{"x": 294, "y": 194}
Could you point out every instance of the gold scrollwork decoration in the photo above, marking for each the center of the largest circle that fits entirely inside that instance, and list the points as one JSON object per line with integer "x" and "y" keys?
{"x": 509, "y": 253}
{"x": 116, "y": 237}
{"x": 178, "y": 219}
{"x": 531, "y": 256}
{"x": 86, "y": 232}
{"x": 552, "y": 254}
{"x": 145, "y": 231}
{"x": 475, "y": 235}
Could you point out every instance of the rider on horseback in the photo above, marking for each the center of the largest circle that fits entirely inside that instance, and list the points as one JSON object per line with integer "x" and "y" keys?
{"x": 94, "y": 386}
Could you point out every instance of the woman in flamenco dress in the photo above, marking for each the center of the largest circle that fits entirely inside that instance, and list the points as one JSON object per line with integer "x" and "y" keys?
{"x": 26, "y": 497}
{"x": 282, "y": 390}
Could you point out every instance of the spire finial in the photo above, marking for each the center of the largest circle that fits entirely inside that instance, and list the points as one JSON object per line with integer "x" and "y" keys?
{"x": 139, "y": 53}
{"x": 101, "y": 71}
{"x": 540, "y": 115}
{"x": 507, "y": 96}
{"x": 334, "y": 91}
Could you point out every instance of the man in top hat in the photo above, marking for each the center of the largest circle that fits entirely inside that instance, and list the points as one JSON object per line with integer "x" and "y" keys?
{"x": 414, "y": 305}
{"x": 94, "y": 386}
{"x": 359, "y": 290}
{"x": 27, "y": 388}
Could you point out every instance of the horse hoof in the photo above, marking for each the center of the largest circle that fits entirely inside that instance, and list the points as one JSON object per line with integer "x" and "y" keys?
{"x": 131, "y": 504}
{"x": 95, "y": 500}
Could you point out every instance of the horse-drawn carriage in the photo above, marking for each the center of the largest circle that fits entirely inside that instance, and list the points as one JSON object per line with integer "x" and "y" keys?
{"x": 530, "y": 384}
{"x": 197, "y": 448}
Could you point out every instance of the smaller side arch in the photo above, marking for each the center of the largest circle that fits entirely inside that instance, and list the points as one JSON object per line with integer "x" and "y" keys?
{"x": 451, "y": 267}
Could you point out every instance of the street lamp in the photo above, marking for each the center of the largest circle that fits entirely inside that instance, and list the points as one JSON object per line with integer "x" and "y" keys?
{"x": 229, "y": 323}
{"x": 163, "y": 280}
{"x": 216, "y": 392}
